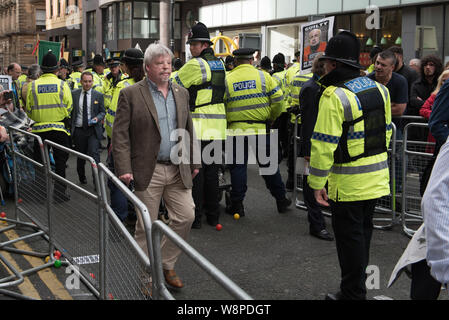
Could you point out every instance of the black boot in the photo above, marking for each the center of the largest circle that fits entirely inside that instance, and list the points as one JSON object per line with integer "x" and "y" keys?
{"x": 236, "y": 207}
{"x": 283, "y": 204}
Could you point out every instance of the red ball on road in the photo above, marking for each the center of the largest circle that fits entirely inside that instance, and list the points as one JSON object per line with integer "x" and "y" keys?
{"x": 218, "y": 227}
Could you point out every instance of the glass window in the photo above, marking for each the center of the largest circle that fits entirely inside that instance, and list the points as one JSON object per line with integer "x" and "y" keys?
{"x": 124, "y": 24}
{"x": 141, "y": 28}
{"x": 155, "y": 10}
{"x": 91, "y": 36}
{"x": 154, "y": 29}
{"x": 108, "y": 23}
{"x": 446, "y": 32}
{"x": 141, "y": 10}
{"x": 433, "y": 16}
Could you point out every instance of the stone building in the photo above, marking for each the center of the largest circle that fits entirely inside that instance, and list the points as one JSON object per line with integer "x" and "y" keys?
{"x": 22, "y": 23}
{"x": 64, "y": 21}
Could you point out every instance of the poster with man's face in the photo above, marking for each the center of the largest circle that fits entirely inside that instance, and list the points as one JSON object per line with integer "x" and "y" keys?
{"x": 313, "y": 38}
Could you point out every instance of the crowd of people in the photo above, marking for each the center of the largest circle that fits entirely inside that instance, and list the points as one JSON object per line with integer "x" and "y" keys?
{"x": 139, "y": 99}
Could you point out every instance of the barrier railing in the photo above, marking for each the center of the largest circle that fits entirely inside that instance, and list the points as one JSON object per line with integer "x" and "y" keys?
{"x": 88, "y": 233}
{"x": 386, "y": 214}
{"x": 415, "y": 158}
{"x": 28, "y": 179}
{"x": 159, "y": 229}
{"x": 126, "y": 268}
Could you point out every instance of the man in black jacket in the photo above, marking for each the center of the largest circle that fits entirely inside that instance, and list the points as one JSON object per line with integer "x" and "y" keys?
{"x": 309, "y": 99}
{"x": 431, "y": 68}
{"x": 404, "y": 70}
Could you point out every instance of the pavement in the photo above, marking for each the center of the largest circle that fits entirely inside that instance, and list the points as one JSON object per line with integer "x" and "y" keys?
{"x": 271, "y": 256}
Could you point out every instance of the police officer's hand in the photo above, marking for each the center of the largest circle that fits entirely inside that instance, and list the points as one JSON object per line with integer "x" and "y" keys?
{"x": 126, "y": 178}
{"x": 321, "y": 197}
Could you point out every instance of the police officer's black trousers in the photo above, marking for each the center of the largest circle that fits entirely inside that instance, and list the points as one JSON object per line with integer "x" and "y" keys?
{"x": 291, "y": 156}
{"x": 60, "y": 156}
{"x": 353, "y": 226}
{"x": 205, "y": 187}
{"x": 314, "y": 213}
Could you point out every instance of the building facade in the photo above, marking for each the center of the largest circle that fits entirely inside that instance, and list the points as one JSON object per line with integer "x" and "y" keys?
{"x": 112, "y": 25}
{"x": 418, "y": 26}
{"x": 21, "y": 25}
{"x": 64, "y": 20}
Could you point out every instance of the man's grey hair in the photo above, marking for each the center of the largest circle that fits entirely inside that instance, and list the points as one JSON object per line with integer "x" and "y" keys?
{"x": 155, "y": 50}
{"x": 34, "y": 71}
{"x": 416, "y": 62}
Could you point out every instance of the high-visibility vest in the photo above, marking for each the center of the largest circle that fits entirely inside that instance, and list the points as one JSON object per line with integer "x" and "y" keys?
{"x": 109, "y": 87}
{"x": 49, "y": 102}
{"x": 110, "y": 112}
{"x": 362, "y": 177}
{"x": 98, "y": 82}
{"x": 282, "y": 83}
{"x": 74, "y": 80}
{"x": 204, "y": 77}
{"x": 21, "y": 80}
{"x": 295, "y": 86}
{"x": 253, "y": 100}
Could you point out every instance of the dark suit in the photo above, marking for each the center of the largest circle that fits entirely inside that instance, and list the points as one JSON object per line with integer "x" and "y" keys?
{"x": 88, "y": 140}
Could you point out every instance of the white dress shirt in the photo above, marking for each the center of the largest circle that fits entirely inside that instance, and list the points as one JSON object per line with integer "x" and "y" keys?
{"x": 435, "y": 209}
{"x": 79, "y": 116}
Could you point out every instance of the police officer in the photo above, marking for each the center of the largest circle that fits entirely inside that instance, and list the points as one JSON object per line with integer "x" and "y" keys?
{"x": 132, "y": 64}
{"x": 49, "y": 104}
{"x": 281, "y": 123}
{"x": 350, "y": 153}
{"x": 112, "y": 78}
{"x": 204, "y": 77}
{"x": 75, "y": 77}
{"x": 253, "y": 101}
{"x": 64, "y": 69}
{"x": 98, "y": 72}
{"x": 297, "y": 82}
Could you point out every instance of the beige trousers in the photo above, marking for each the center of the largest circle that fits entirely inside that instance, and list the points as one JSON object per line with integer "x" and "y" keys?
{"x": 166, "y": 183}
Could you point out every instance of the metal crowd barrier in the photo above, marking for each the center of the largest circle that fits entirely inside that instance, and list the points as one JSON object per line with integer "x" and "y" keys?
{"x": 386, "y": 213}
{"x": 158, "y": 229}
{"x": 29, "y": 180}
{"x": 88, "y": 233}
{"x": 125, "y": 266}
{"x": 415, "y": 158}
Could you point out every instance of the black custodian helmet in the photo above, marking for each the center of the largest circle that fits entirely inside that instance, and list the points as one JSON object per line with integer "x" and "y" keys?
{"x": 199, "y": 32}
{"x": 344, "y": 48}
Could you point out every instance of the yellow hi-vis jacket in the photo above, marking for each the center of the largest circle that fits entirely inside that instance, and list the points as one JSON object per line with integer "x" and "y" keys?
{"x": 252, "y": 97}
{"x": 49, "y": 102}
{"x": 209, "y": 120}
{"x": 21, "y": 80}
{"x": 295, "y": 86}
{"x": 282, "y": 83}
{"x": 110, "y": 112}
{"x": 74, "y": 80}
{"x": 363, "y": 179}
{"x": 109, "y": 88}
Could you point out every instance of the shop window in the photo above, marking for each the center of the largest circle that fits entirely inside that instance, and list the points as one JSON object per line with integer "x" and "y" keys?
{"x": 146, "y": 20}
